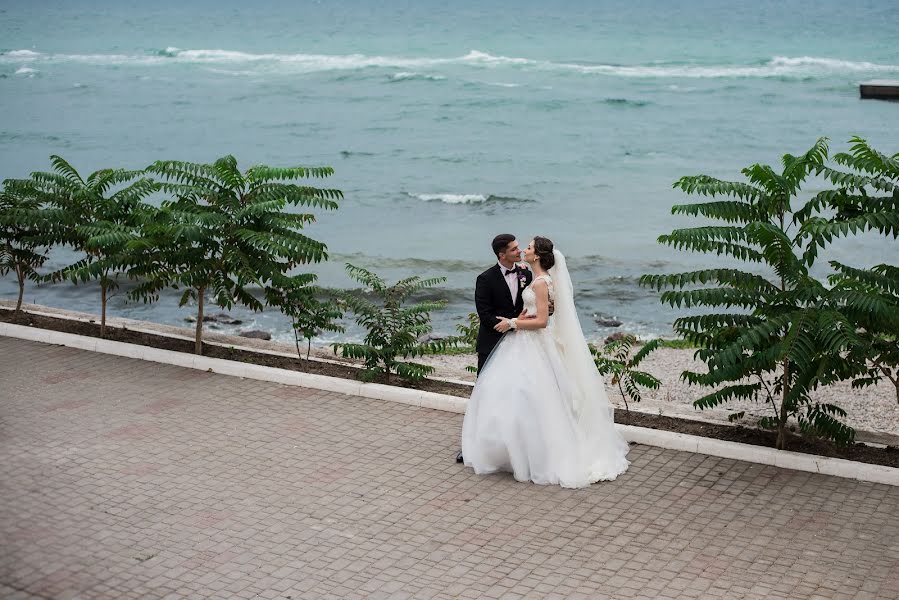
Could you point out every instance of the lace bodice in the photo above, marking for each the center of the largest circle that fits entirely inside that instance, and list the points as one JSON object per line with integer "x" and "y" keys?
{"x": 529, "y": 297}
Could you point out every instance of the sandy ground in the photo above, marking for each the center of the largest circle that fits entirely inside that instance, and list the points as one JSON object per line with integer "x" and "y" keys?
{"x": 874, "y": 409}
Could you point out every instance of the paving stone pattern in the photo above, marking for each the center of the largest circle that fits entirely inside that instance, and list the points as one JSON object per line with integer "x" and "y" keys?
{"x": 128, "y": 479}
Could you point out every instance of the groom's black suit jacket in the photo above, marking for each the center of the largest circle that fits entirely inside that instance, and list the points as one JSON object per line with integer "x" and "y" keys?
{"x": 492, "y": 299}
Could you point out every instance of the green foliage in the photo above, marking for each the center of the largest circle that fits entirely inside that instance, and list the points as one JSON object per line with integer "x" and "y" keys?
{"x": 677, "y": 344}
{"x": 23, "y": 242}
{"x": 300, "y": 300}
{"x": 225, "y": 231}
{"x": 615, "y": 359}
{"x": 790, "y": 333}
{"x": 867, "y": 198}
{"x": 98, "y": 216}
{"x": 392, "y": 329}
{"x": 468, "y": 332}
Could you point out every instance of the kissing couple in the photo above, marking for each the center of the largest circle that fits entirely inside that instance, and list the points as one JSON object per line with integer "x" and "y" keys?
{"x": 539, "y": 408}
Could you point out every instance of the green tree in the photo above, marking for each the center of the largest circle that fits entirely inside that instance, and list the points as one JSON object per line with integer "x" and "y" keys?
{"x": 615, "y": 359}
{"x": 870, "y": 300}
{"x": 97, "y": 216}
{"x": 300, "y": 300}
{"x": 786, "y": 337}
{"x": 866, "y": 198}
{"x": 392, "y": 330}
{"x": 225, "y": 231}
{"x": 23, "y": 234}
{"x": 468, "y": 333}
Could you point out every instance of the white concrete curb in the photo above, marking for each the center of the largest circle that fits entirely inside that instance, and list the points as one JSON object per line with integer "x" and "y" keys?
{"x": 641, "y": 435}
{"x": 146, "y": 327}
{"x": 798, "y": 461}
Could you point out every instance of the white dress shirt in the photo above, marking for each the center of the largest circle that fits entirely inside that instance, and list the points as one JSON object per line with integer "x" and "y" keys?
{"x": 511, "y": 280}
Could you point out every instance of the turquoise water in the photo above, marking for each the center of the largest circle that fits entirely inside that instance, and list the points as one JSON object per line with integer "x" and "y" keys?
{"x": 450, "y": 122}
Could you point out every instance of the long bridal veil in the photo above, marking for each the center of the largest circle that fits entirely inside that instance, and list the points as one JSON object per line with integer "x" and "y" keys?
{"x": 569, "y": 336}
{"x": 602, "y": 448}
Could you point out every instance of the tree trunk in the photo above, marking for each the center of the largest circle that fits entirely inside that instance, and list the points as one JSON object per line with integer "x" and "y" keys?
{"x": 782, "y": 421}
{"x": 296, "y": 340}
{"x": 308, "y": 348}
{"x": 623, "y": 397}
{"x": 198, "y": 343}
{"x": 893, "y": 380}
{"x": 20, "y": 275}
{"x": 103, "y": 309}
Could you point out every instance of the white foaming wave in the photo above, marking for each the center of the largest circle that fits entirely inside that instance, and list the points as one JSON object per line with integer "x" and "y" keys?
{"x": 412, "y": 76}
{"x": 26, "y": 71}
{"x": 311, "y": 62}
{"x": 778, "y": 66}
{"x": 303, "y": 62}
{"x": 93, "y": 59}
{"x": 478, "y": 57}
{"x": 23, "y": 54}
{"x": 501, "y": 84}
{"x": 830, "y": 63}
{"x": 451, "y": 198}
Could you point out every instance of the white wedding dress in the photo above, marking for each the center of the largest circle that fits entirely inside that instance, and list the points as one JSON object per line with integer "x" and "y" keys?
{"x": 539, "y": 408}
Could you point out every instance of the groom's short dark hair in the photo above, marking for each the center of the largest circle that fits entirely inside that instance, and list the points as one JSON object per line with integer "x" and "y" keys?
{"x": 501, "y": 241}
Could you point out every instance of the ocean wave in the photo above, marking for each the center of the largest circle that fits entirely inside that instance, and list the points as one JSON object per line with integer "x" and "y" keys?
{"x": 22, "y": 54}
{"x": 422, "y": 265}
{"x": 776, "y": 67}
{"x": 411, "y": 76}
{"x": 351, "y": 153}
{"x": 410, "y": 68}
{"x": 231, "y": 72}
{"x": 452, "y": 198}
{"x": 466, "y": 198}
{"x": 476, "y": 84}
{"x": 27, "y": 71}
{"x": 624, "y": 102}
{"x": 599, "y": 270}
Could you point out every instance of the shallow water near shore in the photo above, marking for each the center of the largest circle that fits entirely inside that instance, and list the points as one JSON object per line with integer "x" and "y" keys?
{"x": 449, "y": 123}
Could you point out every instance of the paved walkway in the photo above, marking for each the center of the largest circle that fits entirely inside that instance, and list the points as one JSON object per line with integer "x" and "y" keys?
{"x": 125, "y": 479}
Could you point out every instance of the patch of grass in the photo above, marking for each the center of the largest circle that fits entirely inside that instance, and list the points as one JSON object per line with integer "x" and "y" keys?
{"x": 679, "y": 344}
{"x": 456, "y": 350}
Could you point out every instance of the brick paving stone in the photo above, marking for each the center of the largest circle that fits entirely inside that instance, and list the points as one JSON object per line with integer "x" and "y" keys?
{"x": 126, "y": 479}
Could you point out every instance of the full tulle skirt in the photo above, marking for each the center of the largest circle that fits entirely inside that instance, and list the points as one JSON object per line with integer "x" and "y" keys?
{"x": 519, "y": 419}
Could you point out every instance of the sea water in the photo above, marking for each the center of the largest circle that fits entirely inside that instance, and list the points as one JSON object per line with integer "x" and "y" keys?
{"x": 450, "y": 122}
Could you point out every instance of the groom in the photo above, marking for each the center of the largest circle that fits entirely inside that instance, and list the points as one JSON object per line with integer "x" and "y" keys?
{"x": 497, "y": 293}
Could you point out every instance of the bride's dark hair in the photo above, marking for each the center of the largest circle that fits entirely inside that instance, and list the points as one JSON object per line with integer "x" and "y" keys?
{"x": 543, "y": 248}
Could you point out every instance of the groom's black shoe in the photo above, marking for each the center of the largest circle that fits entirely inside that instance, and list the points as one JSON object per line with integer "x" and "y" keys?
{"x": 459, "y": 458}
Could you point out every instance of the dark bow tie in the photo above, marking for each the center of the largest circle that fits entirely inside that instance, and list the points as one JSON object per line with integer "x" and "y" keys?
{"x": 512, "y": 270}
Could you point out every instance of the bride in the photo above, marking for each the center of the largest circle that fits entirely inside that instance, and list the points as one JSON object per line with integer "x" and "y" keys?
{"x": 539, "y": 408}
